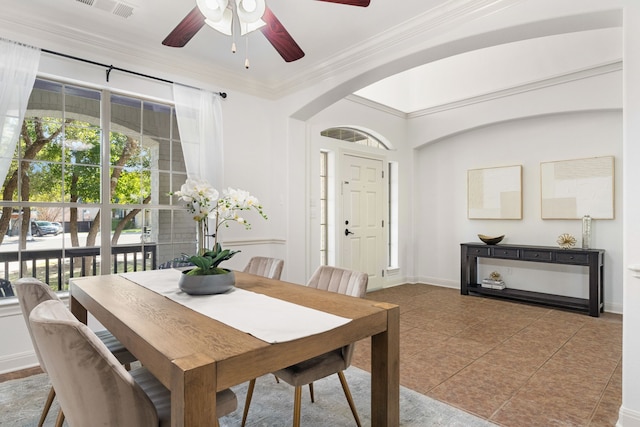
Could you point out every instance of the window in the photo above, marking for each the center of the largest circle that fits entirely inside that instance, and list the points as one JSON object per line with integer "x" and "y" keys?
{"x": 393, "y": 214}
{"x": 353, "y": 135}
{"x": 78, "y": 159}
{"x": 324, "y": 214}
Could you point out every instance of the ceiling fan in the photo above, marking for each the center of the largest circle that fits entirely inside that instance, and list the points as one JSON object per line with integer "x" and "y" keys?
{"x": 274, "y": 31}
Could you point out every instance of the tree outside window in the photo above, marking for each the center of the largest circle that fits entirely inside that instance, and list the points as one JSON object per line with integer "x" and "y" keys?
{"x": 58, "y": 175}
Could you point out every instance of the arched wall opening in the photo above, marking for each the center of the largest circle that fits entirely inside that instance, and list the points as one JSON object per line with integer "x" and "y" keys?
{"x": 516, "y": 33}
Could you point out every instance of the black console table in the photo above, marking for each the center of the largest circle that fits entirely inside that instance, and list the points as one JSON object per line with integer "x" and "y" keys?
{"x": 592, "y": 258}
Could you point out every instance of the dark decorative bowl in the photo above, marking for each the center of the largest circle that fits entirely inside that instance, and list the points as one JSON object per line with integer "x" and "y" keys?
{"x": 490, "y": 240}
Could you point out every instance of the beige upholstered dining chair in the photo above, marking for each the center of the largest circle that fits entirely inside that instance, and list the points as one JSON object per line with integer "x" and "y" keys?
{"x": 93, "y": 388}
{"x": 331, "y": 279}
{"x": 266, "y": 267}
{"x": 31, "y": 292}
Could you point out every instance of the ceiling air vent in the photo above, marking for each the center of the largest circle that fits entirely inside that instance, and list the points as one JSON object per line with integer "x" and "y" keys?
{"x": 117, "y": 8}
{"x": 123, "y": 10}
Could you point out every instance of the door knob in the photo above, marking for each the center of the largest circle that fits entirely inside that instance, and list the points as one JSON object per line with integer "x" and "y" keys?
{"x": 347, "y": 232}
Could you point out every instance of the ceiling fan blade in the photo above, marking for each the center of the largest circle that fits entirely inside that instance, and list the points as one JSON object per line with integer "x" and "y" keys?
{"x": 186, "y": 29}
{"x": 361, "y": 3}
{"x": 280, "y": 38}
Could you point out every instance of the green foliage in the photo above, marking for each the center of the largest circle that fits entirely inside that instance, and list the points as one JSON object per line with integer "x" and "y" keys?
{"x": 132, "y": 187}
{"x": 69, "y": 162}
{"x": 208, "y": 263}
{"x": 133, "y": 169}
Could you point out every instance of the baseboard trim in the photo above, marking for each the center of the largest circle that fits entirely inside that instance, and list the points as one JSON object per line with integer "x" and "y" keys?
{"x": 22, "y": 373}
{"x": 628, "y": 418}
{"x": 18, "y": 361}
{"x": 445, "y": 283}
{"x": 613, "y": 308}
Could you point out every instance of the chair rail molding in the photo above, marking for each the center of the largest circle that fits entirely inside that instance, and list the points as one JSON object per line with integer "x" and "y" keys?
{"x": 636, "y": 270}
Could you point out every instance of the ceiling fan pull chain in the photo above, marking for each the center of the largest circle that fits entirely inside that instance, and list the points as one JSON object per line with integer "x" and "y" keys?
{"x": 246, "y": 56}
{"x": 233, "y": 38}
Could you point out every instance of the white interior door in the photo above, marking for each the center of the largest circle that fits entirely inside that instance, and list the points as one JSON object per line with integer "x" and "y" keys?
{"x": 361, "y": 226}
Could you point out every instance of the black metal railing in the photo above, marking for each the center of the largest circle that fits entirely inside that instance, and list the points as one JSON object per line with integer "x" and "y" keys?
{"x": 50, "y": 264}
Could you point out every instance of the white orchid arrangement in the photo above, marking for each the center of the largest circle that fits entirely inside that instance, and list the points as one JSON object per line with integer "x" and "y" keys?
{"x": 204, "y": 202}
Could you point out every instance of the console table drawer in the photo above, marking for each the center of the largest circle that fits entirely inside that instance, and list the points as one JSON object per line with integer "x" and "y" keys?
{"x": 511, "y": 253}
{"x": 572, "y": 258}
{"x": 534, "y": 255}
{"x": 478, "y": 251}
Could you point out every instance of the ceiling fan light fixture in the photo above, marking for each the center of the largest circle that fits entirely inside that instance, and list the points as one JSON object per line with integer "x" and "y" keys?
{"x": 223, "y": 25}
{"x": 254, "y": 12}
{"x": 213, "y": 10}
{"x": 250, "y": 11}
{"x": 247, "y": 27}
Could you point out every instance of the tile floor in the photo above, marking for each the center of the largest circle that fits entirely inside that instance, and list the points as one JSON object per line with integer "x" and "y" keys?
{"x": 512, "y": 364}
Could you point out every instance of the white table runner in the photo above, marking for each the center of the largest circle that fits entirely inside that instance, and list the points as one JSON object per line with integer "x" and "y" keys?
{"x": 266, "y": 318}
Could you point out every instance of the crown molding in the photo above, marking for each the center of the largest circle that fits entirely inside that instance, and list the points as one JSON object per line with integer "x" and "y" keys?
{"x": 597, "y": 70}
{"x": 377, "y": 106}
{"x": 396, "y": 41}
{"x": 35, "y": 31}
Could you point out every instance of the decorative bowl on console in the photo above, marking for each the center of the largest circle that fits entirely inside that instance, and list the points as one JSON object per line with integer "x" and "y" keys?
{"x": 490, "y": 240}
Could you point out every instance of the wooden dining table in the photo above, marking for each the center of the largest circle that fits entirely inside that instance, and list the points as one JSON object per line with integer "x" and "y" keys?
{"x": 194, "y": 355}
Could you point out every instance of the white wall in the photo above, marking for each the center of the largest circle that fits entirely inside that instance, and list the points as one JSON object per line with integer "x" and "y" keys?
{"x": 573, "y": 119}
{"x": 16, "y": 351}
{"x": 255, "y": 161}
{"x": 441, "y": 192}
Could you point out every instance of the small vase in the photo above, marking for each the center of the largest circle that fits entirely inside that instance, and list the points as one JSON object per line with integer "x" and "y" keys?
{"x": 208, "y": 284}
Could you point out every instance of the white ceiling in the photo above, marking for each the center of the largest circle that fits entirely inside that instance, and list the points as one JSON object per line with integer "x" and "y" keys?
{"x": 496, "y": 68}
{"x": 325, "y": 32}
{"x": 333, "y": 36}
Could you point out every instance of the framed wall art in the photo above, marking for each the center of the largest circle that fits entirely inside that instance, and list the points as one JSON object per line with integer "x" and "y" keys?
{"x": 494, "y": 193}
{"x": 571, "y": 189}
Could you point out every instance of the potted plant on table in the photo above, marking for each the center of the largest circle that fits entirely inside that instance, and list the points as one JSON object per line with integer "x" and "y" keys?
{"x": 203, "y": 201}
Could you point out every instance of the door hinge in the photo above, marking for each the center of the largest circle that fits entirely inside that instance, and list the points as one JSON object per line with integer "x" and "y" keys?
{"x": 382, "y": 171}
{"x": 383, "y": 223}
{"x": 382, "y": 273}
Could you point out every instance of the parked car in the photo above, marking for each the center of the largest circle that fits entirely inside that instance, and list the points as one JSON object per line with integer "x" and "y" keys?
{"x": 58, "y": 226}
{"x": 41, "y": 228}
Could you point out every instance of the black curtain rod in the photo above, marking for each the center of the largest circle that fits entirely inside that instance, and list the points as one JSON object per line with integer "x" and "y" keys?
{"x": 110, "y": 68}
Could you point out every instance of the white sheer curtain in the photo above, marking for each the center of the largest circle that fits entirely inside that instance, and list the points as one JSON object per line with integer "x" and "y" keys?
{"x": 199, "y": 115}
{"x": 18, "y": 68}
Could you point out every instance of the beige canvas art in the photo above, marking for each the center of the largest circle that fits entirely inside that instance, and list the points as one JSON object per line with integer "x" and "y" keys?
{"x": 495, "y": 193}
{"x": 571, "y": 189}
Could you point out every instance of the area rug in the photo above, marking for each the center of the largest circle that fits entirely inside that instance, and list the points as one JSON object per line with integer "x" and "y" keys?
{"x": 21, "y": 402}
